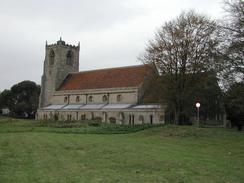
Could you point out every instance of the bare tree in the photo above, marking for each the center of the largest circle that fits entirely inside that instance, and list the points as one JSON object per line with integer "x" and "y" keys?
{"x": 182, "y": 48}
{"x": 233, "y": 41}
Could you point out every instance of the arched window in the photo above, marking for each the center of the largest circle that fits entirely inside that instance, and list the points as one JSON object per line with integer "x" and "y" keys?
{"x": 69, "y": 117}
{"x": 119, "y": 98}
{"x": 90, "y": 98}
{"x": 83, "y": 117}
{"x": 51, "y": 57}
{"x": 69, "y": 56}
{"x": 141, "y": 119}
{"x": 51, "y": 115}
{"x": 78, "y": 99}
{"x": 105, "y": 98}
{"x": 151, "y": 119}
{"x": 45, "y": 116}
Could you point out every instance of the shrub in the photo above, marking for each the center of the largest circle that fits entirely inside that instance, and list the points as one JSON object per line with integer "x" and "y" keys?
{"x": 97, "y": 119}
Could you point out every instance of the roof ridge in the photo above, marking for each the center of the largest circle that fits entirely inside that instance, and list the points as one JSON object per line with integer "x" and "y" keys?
{"x": 109, "y": 68}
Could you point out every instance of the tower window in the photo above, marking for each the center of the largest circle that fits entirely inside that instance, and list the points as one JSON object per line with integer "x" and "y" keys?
{"x": 105, "y": 98}
{"x": 51, "y": 57}
{"x": 65, "y": 99}
{"x": 69, "y": 56}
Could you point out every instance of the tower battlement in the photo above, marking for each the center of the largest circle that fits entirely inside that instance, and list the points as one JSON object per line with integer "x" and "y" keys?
{"x": 61, "y": 42}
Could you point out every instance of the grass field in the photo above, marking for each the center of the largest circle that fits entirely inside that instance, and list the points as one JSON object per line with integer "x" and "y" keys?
{"x": 58, "y": 153}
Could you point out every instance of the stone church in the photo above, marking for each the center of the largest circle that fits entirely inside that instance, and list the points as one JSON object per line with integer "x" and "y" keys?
{"x": 113, "y": 95}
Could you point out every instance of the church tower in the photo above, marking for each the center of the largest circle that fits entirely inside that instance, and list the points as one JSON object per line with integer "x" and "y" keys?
{"x": 60, "y": 60}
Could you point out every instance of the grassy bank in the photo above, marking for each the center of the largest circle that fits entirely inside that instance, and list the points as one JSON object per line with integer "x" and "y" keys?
{"x": 160, "y": 154}
{"x": 8, "y": 125}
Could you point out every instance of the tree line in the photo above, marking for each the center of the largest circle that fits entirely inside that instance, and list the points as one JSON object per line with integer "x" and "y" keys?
{"x": 22, "y": 99}
{"x": 199, "y": 60}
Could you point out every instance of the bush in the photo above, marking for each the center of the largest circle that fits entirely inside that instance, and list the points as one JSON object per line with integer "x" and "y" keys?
{"x": 94, "y": 123}
{"x": 98, "y": 119}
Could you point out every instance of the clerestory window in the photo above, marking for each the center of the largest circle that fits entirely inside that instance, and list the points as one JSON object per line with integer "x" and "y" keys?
{"x": 78, "y": 99}
{"x": 105, "y": 98}
{"x": 119, "y": 98}
{"x": 65, "y": 99}
{"x": 90, "y": 99}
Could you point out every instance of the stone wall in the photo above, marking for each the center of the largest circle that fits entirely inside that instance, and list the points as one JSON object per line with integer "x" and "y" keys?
{"x": 122, "y": 116}
{"x": 126, "y": 96}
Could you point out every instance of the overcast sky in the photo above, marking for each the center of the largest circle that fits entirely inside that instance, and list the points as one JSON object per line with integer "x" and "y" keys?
{"x": 111, "y": 32}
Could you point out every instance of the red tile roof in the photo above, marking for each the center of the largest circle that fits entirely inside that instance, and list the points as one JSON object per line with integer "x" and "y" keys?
{"x": 131, "y": 76}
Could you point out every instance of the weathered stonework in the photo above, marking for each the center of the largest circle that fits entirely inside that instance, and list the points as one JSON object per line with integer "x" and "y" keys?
{"x": 54, "y": 74}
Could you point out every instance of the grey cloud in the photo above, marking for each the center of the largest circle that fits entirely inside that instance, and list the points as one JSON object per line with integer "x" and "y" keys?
{"x": 112, "y": 32}
{"x": 70, "y": 15}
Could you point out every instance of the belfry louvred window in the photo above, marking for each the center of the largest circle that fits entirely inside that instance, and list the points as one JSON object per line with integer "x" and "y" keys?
{"x": 51, "y": 57}
{"x": 69, "y": 56}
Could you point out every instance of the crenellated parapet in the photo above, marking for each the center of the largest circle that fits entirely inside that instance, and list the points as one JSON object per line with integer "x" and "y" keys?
{"x": 60, "y": 42}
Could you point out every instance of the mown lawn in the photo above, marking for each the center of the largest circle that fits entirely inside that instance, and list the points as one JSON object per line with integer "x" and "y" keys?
{"x": 34, "y": 152}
